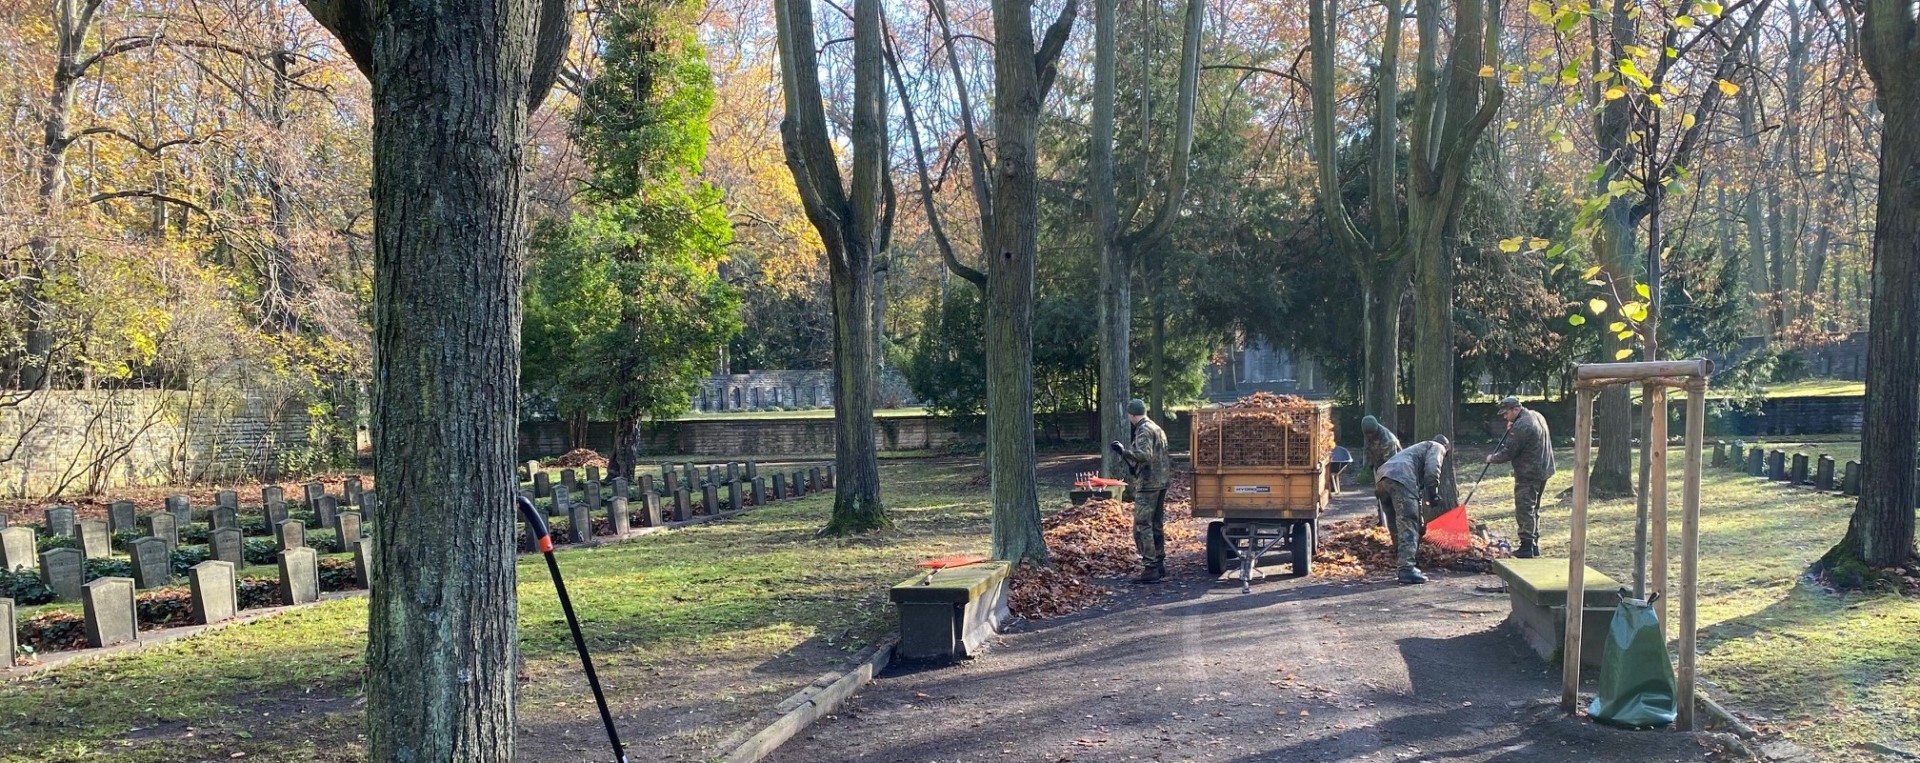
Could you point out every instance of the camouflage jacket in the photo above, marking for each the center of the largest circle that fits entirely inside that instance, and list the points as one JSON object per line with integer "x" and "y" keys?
{"x": 1381, "y": 445}
{"x": 1149, "y": 467}
{"x": 1529, "y": 448}
{"x": 1417, "y": 468}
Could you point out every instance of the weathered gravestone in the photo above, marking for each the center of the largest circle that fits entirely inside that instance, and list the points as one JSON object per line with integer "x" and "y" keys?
{"x": 1776, "y": 465}
{"x": 568, "y": 479}
{"x": 710, "y": 498}
{"x": 273, "y": 494}
{"x": 4, "y": 519}
{"x": 351, "y": 490}
{"x": 672, "y": 482}
{"x": 290, "y": 535}
{"x": 227, "y": 545}
{"x": 1755, "y": 464}
{"x": 666, "y": 474}
{"x": 815, "y": 482}
{"x": 779, "y": 486}
{"x": 152, "y": 562}
{"x": 227, "y": 499}
{"x": 19, "y": 549}
{"x": 211, "y": 584}
{"x": 363, "y": 563}
{"x": 164, "y": 527}
{"x": 622, "y": 488}
{"x": 1798, "y": 474}
{"x": 1719, "y": 453}
{"x": 369, "y": 503}
{"x": 96, "y": 540}
{"x": 1737, "y": 455}
{"x": 593, "y": 473}
{"x": 759, "y": 491}
{"x": 107, "y": 606}
{"x": 562, "y": 502}
{"x": 712, "y": 477}
{"x": 299, "y": 576}
{"x": 1850, "y": 484}
{"x": 181, "y": 509}
{"x": 346, "y": 525}
{"x": 829, "y": 475}
{"x": 799, "y": 485}
{"x": 542, "y": 485}
{"x": 60, "y": 521}
{"x": 276, "y": 512}
{"x": 312, "y": 492}
{"x": 650, "y": 508}
{"x": 733, "y": 494}
{"x": 733, "y": 471}
{"x": 682, "y": 505}
{"x": 753, "y": 471}
{"x": 592, "y": 495}
{"x": 688, "y": 479}
{"x": 579, "y": 523}
{"x": 529, "y": 469}
{"x": 7, "y": 647}
{"x": 65, "y": 571}
{"x": 224, "y": 517}
{"x": 1823, "y": 473}
{"x": 646, "y": 483}
{"x": 617, "y": 515}
{"x": 327, "y": 509}
{"x": 121, "y": 516}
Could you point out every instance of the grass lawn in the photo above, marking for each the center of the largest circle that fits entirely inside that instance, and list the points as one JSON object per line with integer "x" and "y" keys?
{"x": 1817, "y": 388}
{"x": 1830, "y": 672}
{"x": 694, "y": 633}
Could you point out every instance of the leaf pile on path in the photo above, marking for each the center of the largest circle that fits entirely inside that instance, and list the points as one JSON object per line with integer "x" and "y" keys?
{"x": 1357, "y": 547}
{"x": 579, "y": 457}
{"x": 1095, "y": 540}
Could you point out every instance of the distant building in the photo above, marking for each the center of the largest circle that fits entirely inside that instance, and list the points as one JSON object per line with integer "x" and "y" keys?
{"x": 1254, "y": 366}
{"x": 790, "y": 390}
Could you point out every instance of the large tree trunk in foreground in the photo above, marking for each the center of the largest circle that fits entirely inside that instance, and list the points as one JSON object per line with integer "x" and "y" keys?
{"x": 452, "y": 87}
{"x": 1881, "y": 533}
{"x": 1385, "y": 287}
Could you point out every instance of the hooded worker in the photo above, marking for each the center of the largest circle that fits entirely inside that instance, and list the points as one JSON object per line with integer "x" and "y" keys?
{"x": 1408, "y": 479}
{"x": 1529, "y": 447}
{"x": 1148, "y": 471}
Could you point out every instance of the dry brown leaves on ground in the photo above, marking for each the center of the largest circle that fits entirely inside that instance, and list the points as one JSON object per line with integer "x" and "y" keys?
{"x": 1360, "y": 546}
{"x": 579, "y": 457}
{"x": 1095, "y": 540}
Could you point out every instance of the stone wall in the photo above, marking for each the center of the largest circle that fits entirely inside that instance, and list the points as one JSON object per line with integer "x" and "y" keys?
{"x": 77, "y": 441}
{"x": 790, "y": 437}
{"x": 789, "y": 390}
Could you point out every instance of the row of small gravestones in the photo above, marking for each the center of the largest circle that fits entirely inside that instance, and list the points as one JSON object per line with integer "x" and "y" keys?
{"x": 672, "y": 499}
{"x": 108, "y": 603}
{"x": 1795, "y": 470}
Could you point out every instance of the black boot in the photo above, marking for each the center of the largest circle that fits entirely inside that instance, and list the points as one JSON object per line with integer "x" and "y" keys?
{"x": 1528, "y": 550}
{"x": 1412, "y": 576}
{"x": 1152, "y": 573}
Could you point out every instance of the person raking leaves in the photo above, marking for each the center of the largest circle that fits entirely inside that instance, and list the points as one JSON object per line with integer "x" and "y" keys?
{"x": 1401, "y": 484}
{"x": 1148, "y": 471}
{"x": 1529, "y": 447}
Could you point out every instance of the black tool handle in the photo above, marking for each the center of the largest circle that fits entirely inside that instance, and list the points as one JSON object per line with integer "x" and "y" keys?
{"x": 544, "y": 538}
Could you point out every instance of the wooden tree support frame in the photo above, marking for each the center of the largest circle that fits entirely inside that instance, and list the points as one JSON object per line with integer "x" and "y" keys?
{"x": 1654, "y": 378}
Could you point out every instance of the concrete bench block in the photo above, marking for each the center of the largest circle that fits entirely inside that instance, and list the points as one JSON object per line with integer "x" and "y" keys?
{"x": 951, "y": 616}
{"x": 1537, "y": 591}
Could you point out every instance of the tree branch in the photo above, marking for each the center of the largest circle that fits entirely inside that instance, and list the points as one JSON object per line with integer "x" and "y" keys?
{"x": 351, "y": 22}
{"x": 1179, "y": 169}
{"x": 934, "y": 223}
{"x": 155, "y": 195}
{"x": 1046, "y": 60}
{"x": 976, "y": 153}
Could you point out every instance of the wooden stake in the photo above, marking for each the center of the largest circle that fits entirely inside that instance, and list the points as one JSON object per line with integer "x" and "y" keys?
{"x": 1690, "y": 550}
{"x": 1577, "y": 555}
{"x": 1644, "y": 369}
{"x": 1657, "y": 498}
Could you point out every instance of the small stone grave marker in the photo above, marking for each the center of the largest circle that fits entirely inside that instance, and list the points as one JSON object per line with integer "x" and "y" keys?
{"x": 779, "y": 486}
{"x": 121, "y": 516}
{"x": 1776, "y": 466}
{"x": 1737, "y": 455}
{"x": 351, "y": 490}
{"x": 593, "y": 473}
{"x": 682, "y": 505}
{"x": 1798, "y": 474}
{"x": 592, "y": 495}
{"x": 7, "y": 647}
{"x": 96, "y": 541}
{"x": 290, "y": 535}
{"x": 1755, "y": 462}
{"x": 299, "y": 576}
{"x": 562, "y": 502}
{"x": 65, "y": 571}
{"x": 369, "y": 503}
{"x": 329, "y": 507}
{"x": 542, "y": 485}
{"x": 617, "y": 515}
{"x": 646, "y": 483}
{"x": 579, "y": 523}
{"x": 733, "y": 495}
{"x": 1719, "y": 453}
{"x": 346, "y": 525}
{"x": 568, "y": 478}
{"x": 830, "y": 477}
{"x": 312, "y": 492}
{"x": 60, "y": 521}
{"x": 276, "y": 512}
{"x": 1823, "y": 473}
{"x": 211, "y": 584}
{"x": 164, "y": 527}
{"x": 152, "y": 562}
{"x": 799, "y": 485}
{"x": 650, "y": 506}
{"x": 107, "y": 606}
{"x": 227, "y": 499}
{"x": 815, "y": 482}
{"x": 226, "y": 517}
{"x": 181, "y": 509}
{"x": 227, "y": 545}
{"x": 753, "y": 470}
{"x": 19, "y": 549}
{"x": 1850, "y": 482}
{"x": 273, "y": 494}
{"x": 622, "y": 488}
{"x": 733, "y": 470}
{"x": 759, "y": 491}
{"x": 710, "y": 498}
{"x": 363, "y": 563}
{"x": 672, "y": 482}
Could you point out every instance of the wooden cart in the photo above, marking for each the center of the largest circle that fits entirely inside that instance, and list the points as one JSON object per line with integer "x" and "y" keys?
{"x": 1266, "y": 475}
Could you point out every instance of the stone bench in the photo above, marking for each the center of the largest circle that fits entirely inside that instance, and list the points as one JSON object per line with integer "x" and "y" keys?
{"x": 951, "y": 616}
{"x": 1537, "y": 589}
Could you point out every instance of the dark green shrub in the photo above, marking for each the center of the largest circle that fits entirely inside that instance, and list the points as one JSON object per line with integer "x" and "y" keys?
{"x": 185, "y": 557}
{"x": 50, "y": 542}
{"x": 54, "y": 631}
{"x": 257, "y": 592}
{"x": 24, "y": 588}
{"x": 260, "y": 551}
{"x": 167, "y": 607}
{"x": 324, "y": 541}
{"x": 124, "y": 539}
{"x": 254, "y": 524}
{"x": 108, "y": 568}
{"x": 195, "y": 533}
{"x": 337, "y": 575}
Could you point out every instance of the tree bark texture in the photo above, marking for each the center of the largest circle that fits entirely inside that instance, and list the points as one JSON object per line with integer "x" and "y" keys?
{"x": 1614, "y": 248}
{"x": 1881, "y": 533}
{"x": 452, "y": 87}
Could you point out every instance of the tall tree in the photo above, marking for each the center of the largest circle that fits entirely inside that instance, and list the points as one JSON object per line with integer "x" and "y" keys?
{"x": 853, "y": 216}
{"x": 1120, "y": 241}
{"x": 452, "y": 87}
{"x": 1881, "y": 533}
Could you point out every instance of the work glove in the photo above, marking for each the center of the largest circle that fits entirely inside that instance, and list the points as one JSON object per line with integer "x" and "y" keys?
{"x": 1117, "y": 447}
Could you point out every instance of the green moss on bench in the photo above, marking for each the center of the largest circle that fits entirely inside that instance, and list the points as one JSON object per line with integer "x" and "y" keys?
{"x": 1544, "y": 582}
{"x": 958, "y": 585}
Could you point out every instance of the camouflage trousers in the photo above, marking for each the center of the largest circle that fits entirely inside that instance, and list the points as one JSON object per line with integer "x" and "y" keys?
{"x": 1526, "y": 509}
{"x": 1401, "y": 507}
{"x": 1149, "y": 526}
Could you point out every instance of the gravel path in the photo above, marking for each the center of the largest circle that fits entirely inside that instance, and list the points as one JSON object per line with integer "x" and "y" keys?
{"x": 1193, "y": 670}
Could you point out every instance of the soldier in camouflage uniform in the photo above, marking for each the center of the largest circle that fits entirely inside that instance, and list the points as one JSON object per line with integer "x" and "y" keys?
{"x": 1529, "y": 447}
{"x": 1148, "y": 471}
{"x": 1381, "y": 445}
{"x": 1405, "y": 481}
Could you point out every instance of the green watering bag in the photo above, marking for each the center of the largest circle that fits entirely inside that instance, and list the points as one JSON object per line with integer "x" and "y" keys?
{"x": 1636, "y": 679}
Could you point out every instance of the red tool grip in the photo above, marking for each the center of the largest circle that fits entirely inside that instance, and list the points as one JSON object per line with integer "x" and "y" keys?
{"x": 542, "y": 537}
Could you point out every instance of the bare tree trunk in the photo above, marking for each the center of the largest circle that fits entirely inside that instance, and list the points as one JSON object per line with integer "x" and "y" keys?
{"x": 1881, "y": 533}
{"x": 576, "y": 429}
{"x": 1385, "y": 289}
{"x": 1611, "y": 475}
{"x": 626, "y": 446}
{"x": 452, "y": 87}
{"x": 73, "y": 21}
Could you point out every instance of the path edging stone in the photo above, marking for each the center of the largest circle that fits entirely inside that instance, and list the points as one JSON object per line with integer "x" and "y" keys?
{"x": 817, "y": 699}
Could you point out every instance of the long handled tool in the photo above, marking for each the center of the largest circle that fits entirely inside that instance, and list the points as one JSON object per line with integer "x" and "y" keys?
{"x": 1450, "y": 530}
{"x": 538, "y": 524}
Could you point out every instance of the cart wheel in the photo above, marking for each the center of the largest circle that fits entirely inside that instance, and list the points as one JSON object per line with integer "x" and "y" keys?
{"x": 1302, "y": 548}
{"x": 1218, "y": 551}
